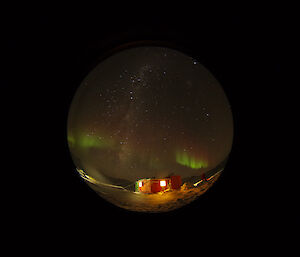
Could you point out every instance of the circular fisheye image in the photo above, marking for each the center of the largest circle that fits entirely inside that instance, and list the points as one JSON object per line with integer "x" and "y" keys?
{"x": 150, "y": 129}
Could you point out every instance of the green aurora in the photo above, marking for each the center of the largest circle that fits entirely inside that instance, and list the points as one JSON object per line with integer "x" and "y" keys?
{"x": 185, "y": 159}
{"x": 85, "y": 142}
{"x": 89, "y": 141}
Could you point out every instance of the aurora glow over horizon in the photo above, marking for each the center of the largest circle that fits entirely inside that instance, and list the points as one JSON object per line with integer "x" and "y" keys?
{"x": 149, "y": 112}
{"x": 87, "y": 141}
{"x": 192, "y": 162}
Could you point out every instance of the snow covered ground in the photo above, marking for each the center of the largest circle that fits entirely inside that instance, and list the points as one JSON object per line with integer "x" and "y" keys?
{"x": 159, "y": 202}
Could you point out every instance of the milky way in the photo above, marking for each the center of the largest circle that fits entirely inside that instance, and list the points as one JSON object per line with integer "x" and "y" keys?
{"x": 149, "y": 112}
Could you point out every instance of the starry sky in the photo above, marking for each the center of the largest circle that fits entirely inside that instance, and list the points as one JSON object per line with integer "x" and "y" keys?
{"x": 149, "y": 112}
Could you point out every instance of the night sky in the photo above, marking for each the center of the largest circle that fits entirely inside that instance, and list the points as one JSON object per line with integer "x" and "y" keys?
{"x": 149, "y": 112}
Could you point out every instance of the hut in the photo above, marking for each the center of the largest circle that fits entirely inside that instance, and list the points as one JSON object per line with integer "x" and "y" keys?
{"x": 154, "y": 185}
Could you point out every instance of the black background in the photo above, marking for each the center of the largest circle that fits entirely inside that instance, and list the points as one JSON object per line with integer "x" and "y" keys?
{"x": 46, "y": 54}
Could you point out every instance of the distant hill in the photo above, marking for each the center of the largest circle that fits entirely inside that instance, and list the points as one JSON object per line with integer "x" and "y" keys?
{"x": 119, "y": 181}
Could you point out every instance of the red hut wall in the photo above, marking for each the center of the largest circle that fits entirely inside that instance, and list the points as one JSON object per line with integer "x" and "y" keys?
{"x": 176, "y": 182}
{"x": 155, "y": 186}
